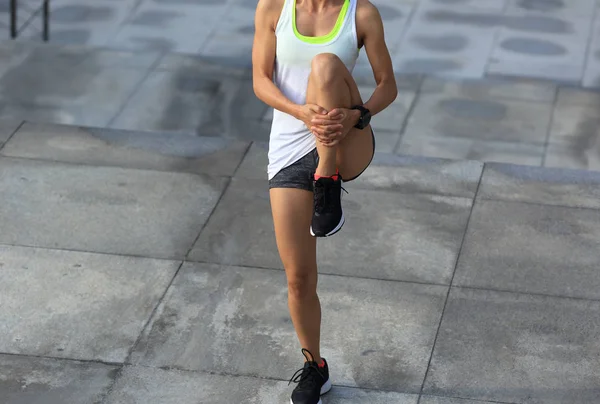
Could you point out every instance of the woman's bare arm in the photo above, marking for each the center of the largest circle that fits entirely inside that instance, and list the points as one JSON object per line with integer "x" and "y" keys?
{"x": 371, "y": 30}
{"x": 263, "y": 58}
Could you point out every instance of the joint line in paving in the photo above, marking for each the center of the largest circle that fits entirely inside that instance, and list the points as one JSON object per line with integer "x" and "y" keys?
{"x": 450, "y": 286}
{"x": 550, "y": 125}
{"x": 409, "y": 113}
{"x": 12, "y": 134}
{"x": 135, "y": 90}
{"x": 243, "y": 158}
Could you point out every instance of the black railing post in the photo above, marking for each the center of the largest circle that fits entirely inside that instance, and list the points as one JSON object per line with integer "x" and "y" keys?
{"x": 13, "y": 19}
{"x": 46, "y": 17}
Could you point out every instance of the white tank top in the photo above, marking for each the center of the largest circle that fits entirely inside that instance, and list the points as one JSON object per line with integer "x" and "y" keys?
{"x": 290, "y": 139}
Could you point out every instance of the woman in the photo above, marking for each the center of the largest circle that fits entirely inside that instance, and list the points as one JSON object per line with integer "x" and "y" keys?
{"x": 303, "y": 55}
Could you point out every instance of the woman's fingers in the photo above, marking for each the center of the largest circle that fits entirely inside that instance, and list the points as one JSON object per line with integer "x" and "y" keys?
{"x": 327, "y": 129}
{"x": 325, "y": 122}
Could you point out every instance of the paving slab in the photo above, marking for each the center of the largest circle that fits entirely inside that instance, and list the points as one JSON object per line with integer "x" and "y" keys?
{"x": 489, "y": 89}
{"x": 143, "y": 150}
{"x": 444, "y": 400}
{"x": 198, "y": 65}
{"x": 103, "y": 209}
{"x": 489, "y": 119}
{"x": 103, "y": 304}
{"x": 118, "y": 58}
{"x": 533, "y": 44}
{"x": 467, "y": 149}
{"x": 386, "y": 141}
{"x": 441, "y": 40}
{"x": 190, "y": 103}
{"x": 549, "y": 186}
{"x": 255, "y": 162}
{"x": 236, "y": 321}
{"x": 573, "y": 156}
{"x": 577, "y": 96}
{"x": 7, "y": 128}
{"x": 531, "y": 248}
{"x": 575, "y": 132}
{"x": 542, "y": 39}
{"x": 55, "y": 85}
{"x": 27, "y": 380}
{"x": 392, "y": 118}
{"x": 66, "y": 115}
{"x": 416, "y": 239}
{"x": 487, "y": 5}
{"x": 562, "y": 73}
{"x": 16, "y": 53}
{"x": 514, "y": 348}
{"x": 174, "y": 27}
{"x": 413, "y": 175}
{"x": 139, "y": 385}
{"x": 573, "y": 8}
{"x": 86, "y": 22}
{"x": 232, "y": 38}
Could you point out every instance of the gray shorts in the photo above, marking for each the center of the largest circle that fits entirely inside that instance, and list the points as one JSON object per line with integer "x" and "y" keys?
{"x": 301, "y": 173}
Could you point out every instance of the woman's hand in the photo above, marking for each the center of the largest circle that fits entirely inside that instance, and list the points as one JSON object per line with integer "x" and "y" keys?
{"x": 333, "y": 127}
{"x": 310, "y": 112}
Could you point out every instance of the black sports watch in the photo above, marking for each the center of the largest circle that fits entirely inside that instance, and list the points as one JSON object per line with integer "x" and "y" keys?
{"x": 365, "y": 117}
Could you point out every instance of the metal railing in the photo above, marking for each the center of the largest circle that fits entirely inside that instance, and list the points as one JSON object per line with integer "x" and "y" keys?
{"x": 44, "y": 10}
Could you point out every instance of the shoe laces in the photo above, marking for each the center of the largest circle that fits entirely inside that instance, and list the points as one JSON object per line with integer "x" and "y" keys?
{"x": 309, "y": 375}
{"x": 325, "y": 196}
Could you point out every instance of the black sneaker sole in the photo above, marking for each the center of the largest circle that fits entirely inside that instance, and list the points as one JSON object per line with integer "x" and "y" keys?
{"x": 332, "y": 232}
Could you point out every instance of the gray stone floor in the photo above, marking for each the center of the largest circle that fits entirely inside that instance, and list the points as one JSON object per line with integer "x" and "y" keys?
{"x": 538, "y": 123}
{"x": 141, "y": 267}
{"x": 544, "y": 39}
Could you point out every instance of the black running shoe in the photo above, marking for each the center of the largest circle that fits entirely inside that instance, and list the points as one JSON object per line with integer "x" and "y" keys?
{"x": 328, "y": 216}
{"x": 313, "y": 381}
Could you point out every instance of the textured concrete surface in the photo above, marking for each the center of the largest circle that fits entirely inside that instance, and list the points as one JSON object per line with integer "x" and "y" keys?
{"x": 547, "y": 39}
{"x": 513, "y": 348}
{"x": 537, "y": 249}
{"x": 29, "y": 380}
{"x": 212, "y": 313}
{"x": 518, "y": 121}
{"x": 148, "y": 385}
{"x": 113, "y": 210}
{"x": 73, "y": 323}
{"x": 479, "y": 119}
{"x": 444, "y": 400}
{"x": 561, "y": 187}
{"x": 189, "y": 334}
{"x": 473, "y": 149}
{"x": 7, "y": 128}
{"x": 143, "y": 150}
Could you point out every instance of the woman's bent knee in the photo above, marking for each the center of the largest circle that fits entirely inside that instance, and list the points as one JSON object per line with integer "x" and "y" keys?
{"x": 326, "y": 68}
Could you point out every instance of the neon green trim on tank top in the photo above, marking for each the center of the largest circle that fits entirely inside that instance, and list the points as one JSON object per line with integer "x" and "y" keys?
{"x": 324, "y": 38}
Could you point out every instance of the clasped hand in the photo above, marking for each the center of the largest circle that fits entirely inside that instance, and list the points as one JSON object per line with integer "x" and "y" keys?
{"x": 330, "y": 127}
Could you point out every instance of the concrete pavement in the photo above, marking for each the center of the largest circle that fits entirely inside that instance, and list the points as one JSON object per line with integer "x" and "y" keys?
{"x": 544, "y": 39}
